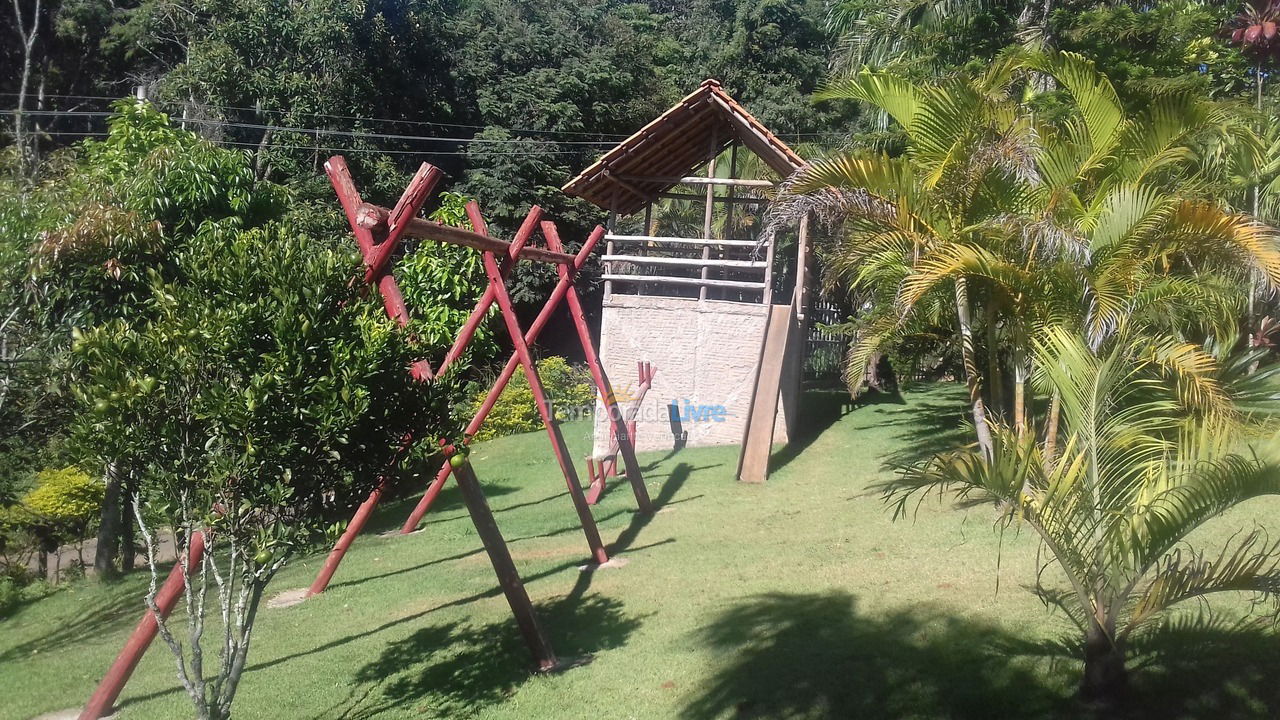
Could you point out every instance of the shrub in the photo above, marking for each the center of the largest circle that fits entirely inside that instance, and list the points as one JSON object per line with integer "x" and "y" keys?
{"x": 10, "y": 595}
{"x": 568, "y": 387}
{"x": 67, "y": 498}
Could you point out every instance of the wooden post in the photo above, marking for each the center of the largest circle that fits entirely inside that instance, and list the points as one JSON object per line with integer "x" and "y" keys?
{"x": 508, "y": 577}
{"x": 801, "y": 293}
{"x": 544, "y": 410}
{"x": 621, "y": 434}
{"x": 707, "y": 214}
{"x": 531, "y": 335}
{"x": 729, "y": 198}
{"x": 612, "y": 225}
{"x": 768, "y": 272}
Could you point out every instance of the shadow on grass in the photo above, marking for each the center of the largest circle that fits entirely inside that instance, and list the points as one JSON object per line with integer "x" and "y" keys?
{"x": 452, "y": 670}
{"x": 822, "y": 409}
{"x": 1196, "y": 671}
{"x": 1198, "y": 666}
{"x": 927, "y": 424}
{"x": 566, "y": 649}
{"x": 390, "y": 515}
{"x": 814, "y": 656}
{"x": 114, "y": 606}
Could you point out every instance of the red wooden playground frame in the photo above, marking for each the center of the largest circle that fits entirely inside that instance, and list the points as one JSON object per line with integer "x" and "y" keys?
{"x": 379, "y": 233}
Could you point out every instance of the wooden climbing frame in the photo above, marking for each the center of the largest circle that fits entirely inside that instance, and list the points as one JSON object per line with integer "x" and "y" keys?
{"x": 378, "y": 233}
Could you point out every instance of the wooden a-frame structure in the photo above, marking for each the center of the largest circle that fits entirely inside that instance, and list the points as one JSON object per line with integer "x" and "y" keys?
{"x": 379, "y": 232}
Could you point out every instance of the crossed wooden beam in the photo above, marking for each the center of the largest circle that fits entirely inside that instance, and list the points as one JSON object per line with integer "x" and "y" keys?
{"x": 378, "y": 233}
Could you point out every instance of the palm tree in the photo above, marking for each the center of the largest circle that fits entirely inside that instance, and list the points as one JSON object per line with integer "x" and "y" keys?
{"x": 1140, "y": 467}
{"x": 1097, "y": 219}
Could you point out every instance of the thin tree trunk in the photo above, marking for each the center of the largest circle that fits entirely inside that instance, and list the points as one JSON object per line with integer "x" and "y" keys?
{"x": 971, "y": 367}
{"x": 128, "y": 540}
{"x": 1051, "y": 431}
{"x": 259, "y": 160}
{"x": 28, "y": 36}
{"x": 1254, "y": 279}
{"x": 1019, "y": 386}
{"x": 104, "y": 556}
{"x": 1105, "y": 681}
{"x": 995, "y": 379}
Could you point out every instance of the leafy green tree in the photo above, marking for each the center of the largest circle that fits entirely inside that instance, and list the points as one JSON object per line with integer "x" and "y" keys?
{"x": 921, "y": 38}
{"x": 554, "y": 84}
{"x": 256, "y": 404}
{"x": 92, "y": 241}
{"x": 1139, "y": 470}
{"x": 301, "y": 77}
{"x": 1093, "y": 242}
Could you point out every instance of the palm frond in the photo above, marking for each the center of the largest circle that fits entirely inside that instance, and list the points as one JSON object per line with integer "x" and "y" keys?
{"x": 1249, "y": 564}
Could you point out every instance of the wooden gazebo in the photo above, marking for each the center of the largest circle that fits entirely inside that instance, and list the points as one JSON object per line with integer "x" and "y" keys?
{"x": 715, "y": 308}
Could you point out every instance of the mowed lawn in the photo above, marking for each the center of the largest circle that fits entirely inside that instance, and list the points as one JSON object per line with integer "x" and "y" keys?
{"x": 800, "y": 598}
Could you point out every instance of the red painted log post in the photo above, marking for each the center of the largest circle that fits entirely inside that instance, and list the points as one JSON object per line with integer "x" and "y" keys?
{"x": 108, "y": 691}
{"x": 376, "y": 259}
{"x": 558, "y": 446}
{"x": 508, "y": 577}
{"x": 601, "y": 380}
{"x": 530, "y": 336}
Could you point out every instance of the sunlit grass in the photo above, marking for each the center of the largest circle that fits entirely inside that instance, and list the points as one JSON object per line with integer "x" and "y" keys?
{"x": 798, "y": 598}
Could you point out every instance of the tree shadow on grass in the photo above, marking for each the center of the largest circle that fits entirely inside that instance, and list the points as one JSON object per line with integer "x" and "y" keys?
{"x": 1196, "y": 666}
{"x": 451, "y": 670}
{"x": 1193, "y": 670}
{"x": 814, "y": 656}
{"x": 390, "y": 515}
{"x": 116, "y": 605}
{"x": 929, "y": 425}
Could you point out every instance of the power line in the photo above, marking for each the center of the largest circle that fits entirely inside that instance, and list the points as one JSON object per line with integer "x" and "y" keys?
{"x": 321, "y": 131}
{"x": 411, "y": 122}
{"x": 470, "y": 153}
{"x": 346, "y": 117}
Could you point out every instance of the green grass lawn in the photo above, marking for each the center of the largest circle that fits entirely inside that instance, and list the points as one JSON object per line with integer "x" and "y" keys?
{"x": 800, "y": 598}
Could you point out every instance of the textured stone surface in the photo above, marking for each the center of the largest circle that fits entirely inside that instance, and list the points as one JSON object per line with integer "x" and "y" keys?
{"x": 705, "y": 355}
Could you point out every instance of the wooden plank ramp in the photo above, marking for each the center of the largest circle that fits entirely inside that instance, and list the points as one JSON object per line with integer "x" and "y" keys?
{"x": 757, "y": 439}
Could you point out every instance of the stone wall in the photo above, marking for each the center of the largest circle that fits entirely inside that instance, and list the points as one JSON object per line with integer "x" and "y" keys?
{"x": 705, "y": 355}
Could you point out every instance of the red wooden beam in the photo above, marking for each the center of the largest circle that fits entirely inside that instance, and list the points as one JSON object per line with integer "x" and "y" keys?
{"x": 108, "y": 691}
{"x": 621, "y": 434}
{"x": 544, "y": 410}
{"x": 477, "y": 421}
{"x": 340, "y": 176}
{"x": 358, "y": 521}
{"x": 486, "y": 301}
{"x": 407, "y": 208}
{"x": 373, "y": 217}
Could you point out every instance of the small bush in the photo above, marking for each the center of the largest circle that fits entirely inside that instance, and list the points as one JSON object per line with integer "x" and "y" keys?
{"x": 67, "y": 498}
{"x": 10, "y": 595}
{"x": 568, "y": 386}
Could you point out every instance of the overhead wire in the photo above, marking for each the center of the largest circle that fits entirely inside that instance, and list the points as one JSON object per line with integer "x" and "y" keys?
{"x": 404, "y": 122}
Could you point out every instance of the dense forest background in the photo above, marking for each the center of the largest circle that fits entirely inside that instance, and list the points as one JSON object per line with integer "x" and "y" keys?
{"x": 512, "y": 98}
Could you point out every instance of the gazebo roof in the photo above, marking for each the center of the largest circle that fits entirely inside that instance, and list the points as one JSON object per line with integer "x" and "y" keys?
{"x": 653, "y": 159}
